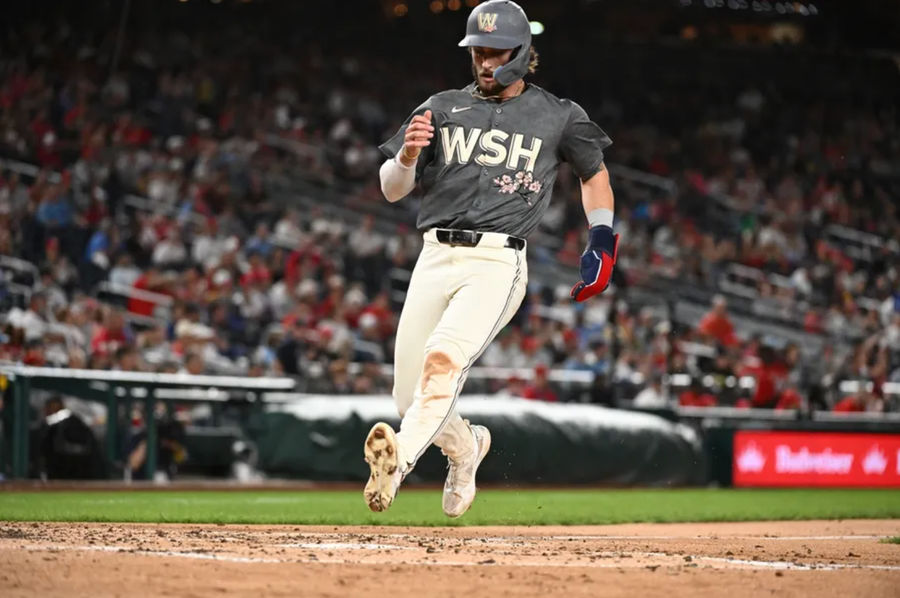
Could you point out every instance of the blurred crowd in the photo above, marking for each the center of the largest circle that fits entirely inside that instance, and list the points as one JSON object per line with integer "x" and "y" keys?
{"x": 156, "y": 243}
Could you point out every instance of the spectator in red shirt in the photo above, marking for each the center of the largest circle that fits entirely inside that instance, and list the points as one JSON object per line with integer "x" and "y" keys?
{"x": 540, "y": 389}
{"x": 258, "y": 272}
{"x": 770, "y": 373}
{"x": 695, "y": 397}
{"x": 850, "y": 404}
{"x": 858, "y": 403}
{"x": 789, "y": 399}
{"x": 112, "y": 335}
{"x": 151, "y": 280}
{"x": 716, "y": 324}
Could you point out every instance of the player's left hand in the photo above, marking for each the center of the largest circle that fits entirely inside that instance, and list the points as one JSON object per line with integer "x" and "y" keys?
{"x": 597, "y": 263}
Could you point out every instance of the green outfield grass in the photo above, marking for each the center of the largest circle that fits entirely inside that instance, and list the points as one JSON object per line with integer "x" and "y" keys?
{"x": 423, "y": 507}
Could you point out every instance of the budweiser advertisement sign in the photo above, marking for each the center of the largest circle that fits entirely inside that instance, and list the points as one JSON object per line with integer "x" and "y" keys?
{"x": 816, "y": 459}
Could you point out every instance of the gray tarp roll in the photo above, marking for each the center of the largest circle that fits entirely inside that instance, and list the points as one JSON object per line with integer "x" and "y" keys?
{"x": 321, "y": 438}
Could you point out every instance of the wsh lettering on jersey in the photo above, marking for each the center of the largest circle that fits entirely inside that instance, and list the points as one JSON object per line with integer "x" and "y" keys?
{"x": 495, "y": 147}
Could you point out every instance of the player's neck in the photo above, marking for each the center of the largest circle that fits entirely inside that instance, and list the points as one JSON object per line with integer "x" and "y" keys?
{"x": 510, "y": 91}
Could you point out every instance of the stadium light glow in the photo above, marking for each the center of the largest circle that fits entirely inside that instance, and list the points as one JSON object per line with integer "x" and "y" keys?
{"x": 537, "y": 27}
{"x": 436, "y": 6}
{"x": 400, "y": 10}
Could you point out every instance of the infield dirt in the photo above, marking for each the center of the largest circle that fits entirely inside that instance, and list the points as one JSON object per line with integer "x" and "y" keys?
{"x": 827, "y": 558}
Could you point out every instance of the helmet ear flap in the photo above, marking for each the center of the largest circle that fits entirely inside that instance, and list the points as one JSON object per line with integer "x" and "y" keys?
{"x": 516, "y": 68}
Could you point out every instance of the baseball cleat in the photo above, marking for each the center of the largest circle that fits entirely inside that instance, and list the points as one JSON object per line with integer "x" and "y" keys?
{"x": 385, "y": 476}
{"x": 459, "y": 489}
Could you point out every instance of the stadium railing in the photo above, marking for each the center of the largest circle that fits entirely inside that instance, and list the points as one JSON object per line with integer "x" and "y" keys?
{"x": 113, "y": 387}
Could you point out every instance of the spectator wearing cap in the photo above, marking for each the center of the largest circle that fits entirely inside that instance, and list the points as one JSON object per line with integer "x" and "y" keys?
{"x": 533, "y": 351}
{"x": 539, "y": 389}
{"x": 514, "y": 387}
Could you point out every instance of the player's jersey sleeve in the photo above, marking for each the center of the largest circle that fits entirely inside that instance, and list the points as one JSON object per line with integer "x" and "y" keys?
{"x": 582, "y": 143}
{"x": 390, "y": 147}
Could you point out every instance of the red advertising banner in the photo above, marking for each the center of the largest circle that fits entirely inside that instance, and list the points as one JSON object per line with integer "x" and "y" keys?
{"x": 815, "y": 459}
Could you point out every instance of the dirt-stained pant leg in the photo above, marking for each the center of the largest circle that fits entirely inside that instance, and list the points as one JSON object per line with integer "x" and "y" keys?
{"x": 426, "y": 300}
{"x": 459, "y": 299}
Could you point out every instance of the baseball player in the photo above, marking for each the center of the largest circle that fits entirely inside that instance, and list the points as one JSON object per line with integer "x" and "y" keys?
{"x": 486, "y": 157}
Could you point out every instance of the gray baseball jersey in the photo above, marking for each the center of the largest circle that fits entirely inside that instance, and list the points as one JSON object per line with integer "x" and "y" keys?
{"x": 491, "y": 165}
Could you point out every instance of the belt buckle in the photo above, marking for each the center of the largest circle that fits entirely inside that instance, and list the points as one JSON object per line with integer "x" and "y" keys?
{"x": 463, "y": 238}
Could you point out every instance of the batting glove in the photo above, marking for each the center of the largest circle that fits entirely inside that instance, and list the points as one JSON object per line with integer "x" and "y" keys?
{"x": 597, "y": 263}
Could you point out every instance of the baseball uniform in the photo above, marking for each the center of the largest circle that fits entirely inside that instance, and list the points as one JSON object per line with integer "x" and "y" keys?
{"x": 490, "y": 169}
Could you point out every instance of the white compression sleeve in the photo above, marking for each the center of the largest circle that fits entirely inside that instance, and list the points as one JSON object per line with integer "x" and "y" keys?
{"x": 397, "y": 180}
{"x": 600, "y": 216}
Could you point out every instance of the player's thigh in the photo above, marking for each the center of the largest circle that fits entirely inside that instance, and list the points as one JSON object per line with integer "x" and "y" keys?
{"x": 426, "y": 300}
{"x": 481, "y": 307}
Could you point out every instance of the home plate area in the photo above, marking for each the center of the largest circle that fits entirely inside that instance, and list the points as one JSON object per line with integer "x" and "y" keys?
{"x": 711, "y": 559}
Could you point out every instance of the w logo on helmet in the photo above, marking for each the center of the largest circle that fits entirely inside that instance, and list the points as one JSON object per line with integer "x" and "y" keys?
{"x": 487, "y": 22}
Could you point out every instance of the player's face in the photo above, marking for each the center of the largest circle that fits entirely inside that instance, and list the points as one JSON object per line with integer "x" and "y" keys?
{"x": 484, "y": 62}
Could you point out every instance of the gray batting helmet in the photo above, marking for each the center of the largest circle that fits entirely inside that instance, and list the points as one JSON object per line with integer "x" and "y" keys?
{"x": 501, "y": 24}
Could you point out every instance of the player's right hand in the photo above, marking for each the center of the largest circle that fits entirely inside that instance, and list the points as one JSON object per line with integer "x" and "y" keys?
{"x": 418, "y": 135}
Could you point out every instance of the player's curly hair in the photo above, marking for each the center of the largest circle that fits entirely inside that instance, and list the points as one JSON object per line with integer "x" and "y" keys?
{"x": 533, "y": 60}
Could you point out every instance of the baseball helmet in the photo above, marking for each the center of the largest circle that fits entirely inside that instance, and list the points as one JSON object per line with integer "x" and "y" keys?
{"x": 501, "y": 24}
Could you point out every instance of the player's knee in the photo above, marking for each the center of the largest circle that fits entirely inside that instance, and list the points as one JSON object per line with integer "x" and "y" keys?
{"x": 402, "y": 399}
{"x": 440, "y": 373}
{"x": 407, "y": 375}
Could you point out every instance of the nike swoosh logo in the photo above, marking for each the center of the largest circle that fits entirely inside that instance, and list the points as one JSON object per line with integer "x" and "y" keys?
{"x": 456, "y": 109}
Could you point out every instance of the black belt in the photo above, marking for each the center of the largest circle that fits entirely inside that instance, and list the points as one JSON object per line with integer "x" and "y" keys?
{"x": 470, "y": 238}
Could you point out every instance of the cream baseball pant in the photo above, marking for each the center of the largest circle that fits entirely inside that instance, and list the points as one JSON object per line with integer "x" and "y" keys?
{"x": 459, "y": 298}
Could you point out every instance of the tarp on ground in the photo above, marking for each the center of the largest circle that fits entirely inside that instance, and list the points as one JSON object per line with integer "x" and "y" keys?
{"x": 321, "y": 438}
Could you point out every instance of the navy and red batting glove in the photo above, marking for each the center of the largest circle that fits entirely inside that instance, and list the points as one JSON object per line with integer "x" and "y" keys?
{"x": 597, "y": 263}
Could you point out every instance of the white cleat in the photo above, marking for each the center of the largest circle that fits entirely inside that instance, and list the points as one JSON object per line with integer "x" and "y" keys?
{"x": 385, "y": 476}
{"x": 459, "y": 489}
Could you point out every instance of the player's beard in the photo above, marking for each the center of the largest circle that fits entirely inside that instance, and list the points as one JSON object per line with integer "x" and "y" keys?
{"x": 491, "y": 90}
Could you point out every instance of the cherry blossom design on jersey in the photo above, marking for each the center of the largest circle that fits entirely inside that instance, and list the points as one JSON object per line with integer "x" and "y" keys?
{"x": 521, "y": 182}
